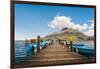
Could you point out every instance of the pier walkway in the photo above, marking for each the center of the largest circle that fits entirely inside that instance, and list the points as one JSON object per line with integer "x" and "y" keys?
{"x": 54, "y": 54}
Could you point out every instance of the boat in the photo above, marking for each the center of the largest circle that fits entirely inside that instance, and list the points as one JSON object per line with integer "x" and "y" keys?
{"x": 78, "y": 44}
{"x": 84, "y": 49}
{"x": 43, "y": 44}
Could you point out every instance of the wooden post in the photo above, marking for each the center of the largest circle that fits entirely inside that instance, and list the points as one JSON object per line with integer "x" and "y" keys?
{"x": 71, "y": 44}
{"x": 38, "y": 43}
{"x": 71, "y": 39}
{"x": 32, "y": 42}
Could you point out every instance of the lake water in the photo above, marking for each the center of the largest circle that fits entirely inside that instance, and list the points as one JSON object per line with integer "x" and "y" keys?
{"x": 21, "y": 51}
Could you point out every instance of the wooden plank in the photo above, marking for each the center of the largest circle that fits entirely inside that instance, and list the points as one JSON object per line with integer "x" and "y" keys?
{"x": 54, "y": 54}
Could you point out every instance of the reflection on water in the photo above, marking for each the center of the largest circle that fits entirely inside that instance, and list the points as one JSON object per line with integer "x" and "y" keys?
{"x": 21, "y": 51}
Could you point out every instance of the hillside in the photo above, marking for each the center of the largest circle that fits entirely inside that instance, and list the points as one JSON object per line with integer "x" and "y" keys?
{"x": 66, "y": 32}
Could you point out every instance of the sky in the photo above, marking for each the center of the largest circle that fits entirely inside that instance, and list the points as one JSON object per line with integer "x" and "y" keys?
{"x": 34, "y": 20}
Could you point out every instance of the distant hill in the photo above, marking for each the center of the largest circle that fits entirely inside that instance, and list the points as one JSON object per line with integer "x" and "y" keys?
{"x": 65, "y": 33}
{"x": 90, "y": 38}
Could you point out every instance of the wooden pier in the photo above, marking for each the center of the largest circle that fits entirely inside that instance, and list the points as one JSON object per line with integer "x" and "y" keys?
{"x": 54, "y": 54}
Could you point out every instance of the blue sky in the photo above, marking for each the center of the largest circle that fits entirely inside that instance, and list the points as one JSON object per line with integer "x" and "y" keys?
{"x": 32, "y": 20}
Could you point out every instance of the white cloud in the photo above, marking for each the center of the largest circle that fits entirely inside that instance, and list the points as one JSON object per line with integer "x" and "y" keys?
{"x": 90, "y": 30}
{"x": 60, "y": 22}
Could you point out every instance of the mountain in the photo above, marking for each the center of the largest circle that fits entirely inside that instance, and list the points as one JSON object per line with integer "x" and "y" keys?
{"x": 66, "y": 32}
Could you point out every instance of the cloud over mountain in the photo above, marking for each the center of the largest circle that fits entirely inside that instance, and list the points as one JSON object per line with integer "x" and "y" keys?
{"x": 60, "y": 22}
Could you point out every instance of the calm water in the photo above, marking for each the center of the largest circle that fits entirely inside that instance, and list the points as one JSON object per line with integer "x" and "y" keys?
{"x": 21, "y": 51}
